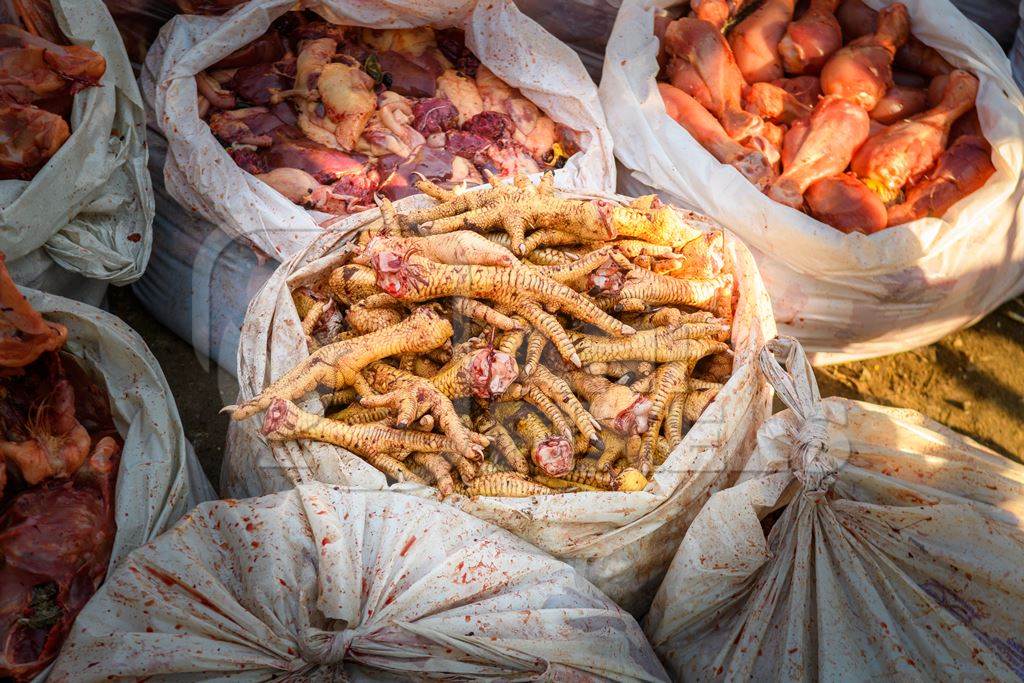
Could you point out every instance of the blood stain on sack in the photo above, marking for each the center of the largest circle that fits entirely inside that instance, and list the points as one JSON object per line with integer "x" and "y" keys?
{"x": 408, "y": 544}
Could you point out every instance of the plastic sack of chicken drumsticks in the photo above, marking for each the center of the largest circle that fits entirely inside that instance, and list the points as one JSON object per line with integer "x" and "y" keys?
{"x": 82, "y": 219}
{"x": 844, "y": 295}
{"x": 323, "y": 583}
{"x": 861, "y": 543}
{"x": 356, "y": 136}
{"x": 49, "y": 543}
{"x": 620, "y": 541}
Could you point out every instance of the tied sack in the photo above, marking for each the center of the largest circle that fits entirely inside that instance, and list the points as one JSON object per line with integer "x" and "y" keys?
{"x": 861, "y": 543}
{"x": 321, "y": 583}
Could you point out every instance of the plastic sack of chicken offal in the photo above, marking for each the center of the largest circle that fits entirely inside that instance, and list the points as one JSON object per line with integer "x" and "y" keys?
{"x": 157, "y": 481}
{"x": 202, "y": 175}
{"x": 844, "y": 296}
{"x": 861, "y": 543}
{"x": 88, "y": 212}
{"x": 323, "y": 583}
{"x": 620, "y": 541}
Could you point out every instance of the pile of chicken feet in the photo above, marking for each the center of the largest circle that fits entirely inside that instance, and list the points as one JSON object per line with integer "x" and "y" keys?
{"x": 872, "y": 133}
{"x": 512, "y": 342}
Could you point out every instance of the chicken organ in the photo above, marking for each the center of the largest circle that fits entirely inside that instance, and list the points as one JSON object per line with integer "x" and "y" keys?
{"x": 706, "y": 130}
{"x": 328, "y": 114}
{"x": 845, "y": 203}
{"x": 905, "y": 151}
{"x": 811, "y": 39}
{"x": 37, "y": 81}
{"x": 960, "y": 170}
{"x": 59, "y": 453}
{"x": 862, "y": 71}
{"x": 462, "y": 92}
{"x": 755, "y": 40}
{"x": 266, "y": 49}
{"x": 706, "y": 50}
{"x": 822, "y": 148}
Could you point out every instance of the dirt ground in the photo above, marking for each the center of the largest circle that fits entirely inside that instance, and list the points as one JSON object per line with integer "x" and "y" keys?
{"x": 972, "y": 381}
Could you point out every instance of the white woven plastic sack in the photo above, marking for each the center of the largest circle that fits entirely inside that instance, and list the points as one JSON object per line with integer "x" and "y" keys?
{"x": 199, "y": 280}
{"x": 202, "y": 176}
{"x": 323, "y": 584}
{"x": 893, "y": 551}
{"x": 843, "y": 296}
{"x": 622, "y": 542}
{"x": 159, "y": 478}
{"x": 90, "y": 208}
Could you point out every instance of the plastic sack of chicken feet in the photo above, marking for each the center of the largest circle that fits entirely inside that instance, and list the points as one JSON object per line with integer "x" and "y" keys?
{"x": 203, "y": 176}
{"x": 199, "y": 280}
{"x": 346, "y": 585}
{"x": 622, "y": 548}
{"x": 159, "y": 478}
{"x": 860, "y": 543}
{"x": 844, "y": 296}
{"x": 87, "y": 214}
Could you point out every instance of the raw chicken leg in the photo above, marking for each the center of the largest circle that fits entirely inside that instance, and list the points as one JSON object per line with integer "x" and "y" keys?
{"x": 774, "y": 104}
{"x": 811, "y": 39}
{"x": 717, "y": 12}
{"x": 962, "y": 169}
{"x": 822, "y": 148}
{"x": 699, "y": 43}
{"x": 857, "y": 19}
{"x": 917, "y": 57}
{"x": 706, "y": 130}
{"x": 904, "y": 151}
{"x": 755, "y": 40}
{"x": 862, "y": 71}
{"x": 847, "y": 204}
{"x": 899, "y": 103}
{"x": 685, "y": 76}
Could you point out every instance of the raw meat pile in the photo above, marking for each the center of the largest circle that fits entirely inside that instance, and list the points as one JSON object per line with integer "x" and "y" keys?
{"x": 328, "y": 115}
{"x": 512, "y": 342}
{"x": 59, "y": 453}
{"x": 839, "y": 112}
{"x": 38, "y": 80}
